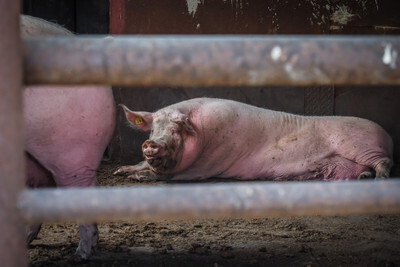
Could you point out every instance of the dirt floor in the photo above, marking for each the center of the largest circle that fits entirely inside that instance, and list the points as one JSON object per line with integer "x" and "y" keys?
{"x": 311, "y": 241}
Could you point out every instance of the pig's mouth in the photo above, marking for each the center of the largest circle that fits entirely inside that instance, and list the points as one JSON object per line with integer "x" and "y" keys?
{"x": 161, "y": 156}
{"x": 161, "y": 164}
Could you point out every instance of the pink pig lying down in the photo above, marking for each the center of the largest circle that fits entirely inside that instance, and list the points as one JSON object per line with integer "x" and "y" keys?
{"x": 205, "y": 137}
{"x": 67, "y": 130}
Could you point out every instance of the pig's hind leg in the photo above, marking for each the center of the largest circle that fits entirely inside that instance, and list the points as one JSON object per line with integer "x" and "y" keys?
{"x": 338, "y": 168}
{"x": 365, "y": 175}
{"x": 36, "y": 176}
{"x": 75, "y": 167}
{"x": 382, "y": 170}
{"x": 379, "y": 162}
{"x": 81, "y": 173}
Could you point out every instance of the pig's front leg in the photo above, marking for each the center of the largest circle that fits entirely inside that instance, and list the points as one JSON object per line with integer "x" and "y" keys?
{"x": 132, "y": 169}
{"x": 140, "y": 172}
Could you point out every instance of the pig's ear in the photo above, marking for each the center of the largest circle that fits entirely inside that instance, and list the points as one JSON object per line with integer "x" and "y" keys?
{"x": 184, "y": 121}
{"x": 141, "y": 119}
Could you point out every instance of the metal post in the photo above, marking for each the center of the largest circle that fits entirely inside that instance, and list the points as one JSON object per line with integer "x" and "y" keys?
{"x": 213, "y": 60}
{"x": 12, "y": 240}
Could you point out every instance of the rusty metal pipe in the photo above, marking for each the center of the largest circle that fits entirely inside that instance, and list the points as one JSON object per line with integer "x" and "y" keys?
{"x": 190, "y": 201}
{"x": 12, "y": 241}
{"x": 213, "y": 60}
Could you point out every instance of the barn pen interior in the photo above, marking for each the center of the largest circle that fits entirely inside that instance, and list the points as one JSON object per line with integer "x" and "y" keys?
{"x": 346, "y": 64}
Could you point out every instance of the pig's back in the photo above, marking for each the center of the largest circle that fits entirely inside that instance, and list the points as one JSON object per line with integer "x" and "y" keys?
{"x": 31, "y": 26}
{"x": 251, "y": 142}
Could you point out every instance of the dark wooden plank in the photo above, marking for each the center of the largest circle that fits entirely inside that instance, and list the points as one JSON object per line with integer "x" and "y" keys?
{"x": 92, "y": 16}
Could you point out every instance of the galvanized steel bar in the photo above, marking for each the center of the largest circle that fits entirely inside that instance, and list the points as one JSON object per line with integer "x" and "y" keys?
{"x": 12, "y": 240}
{"x": 213, "y": 60}
{"x": 211, "y": 200}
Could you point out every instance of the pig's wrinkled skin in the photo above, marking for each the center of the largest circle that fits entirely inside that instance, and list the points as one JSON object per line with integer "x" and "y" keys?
{"x": 67, "y": 130}
{"x": 202, "y": 138}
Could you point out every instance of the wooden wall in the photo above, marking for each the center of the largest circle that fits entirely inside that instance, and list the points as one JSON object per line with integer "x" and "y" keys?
{"x": 237, "y": 17}
{"x": 256, "y": 16}
{"x": 260, "y": 17}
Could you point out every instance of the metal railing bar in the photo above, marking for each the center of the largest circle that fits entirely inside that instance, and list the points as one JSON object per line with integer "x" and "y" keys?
{"x": 217, "y": 200}
{"x": 213, "y": 60}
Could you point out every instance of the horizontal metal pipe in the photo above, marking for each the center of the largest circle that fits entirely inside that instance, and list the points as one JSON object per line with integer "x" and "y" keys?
{"x": 212, "y": 60}
{"x": 189, "y": 201}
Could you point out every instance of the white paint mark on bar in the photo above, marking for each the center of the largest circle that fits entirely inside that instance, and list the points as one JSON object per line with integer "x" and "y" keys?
{"x": 276, "y": 53}
{"x": 389, "y": 56}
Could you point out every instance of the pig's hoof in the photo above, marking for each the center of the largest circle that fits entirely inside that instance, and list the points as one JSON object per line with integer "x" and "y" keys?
{"x": 365, "y": 175}
{"x": 140, "y": 177}
{"x": 32, "y": 233}
{"x": 131, "y": 170}
{"x": 81, "y": 254}
{"x": 76, "y": 259}
{"x": 121, "y": 171}
{"x": 383, "y": 169}
{"x": 125, "y": 170}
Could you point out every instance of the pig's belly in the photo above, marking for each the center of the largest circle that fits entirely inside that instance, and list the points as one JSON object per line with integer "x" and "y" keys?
{"x": 328, "y": 169}
{"x": 333, "y": 168}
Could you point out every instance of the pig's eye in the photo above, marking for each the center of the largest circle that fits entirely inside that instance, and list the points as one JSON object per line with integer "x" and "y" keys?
{"x": 174, "y": 131}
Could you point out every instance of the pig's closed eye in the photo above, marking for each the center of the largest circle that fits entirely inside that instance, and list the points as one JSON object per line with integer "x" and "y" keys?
{"x": 174, "y": 131}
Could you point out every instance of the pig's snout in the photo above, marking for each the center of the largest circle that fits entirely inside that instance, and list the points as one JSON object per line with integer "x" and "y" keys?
{"x": 152, "y": 149}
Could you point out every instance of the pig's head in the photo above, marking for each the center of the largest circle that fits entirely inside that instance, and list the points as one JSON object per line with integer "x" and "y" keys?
{"x": 169, "y": 129}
